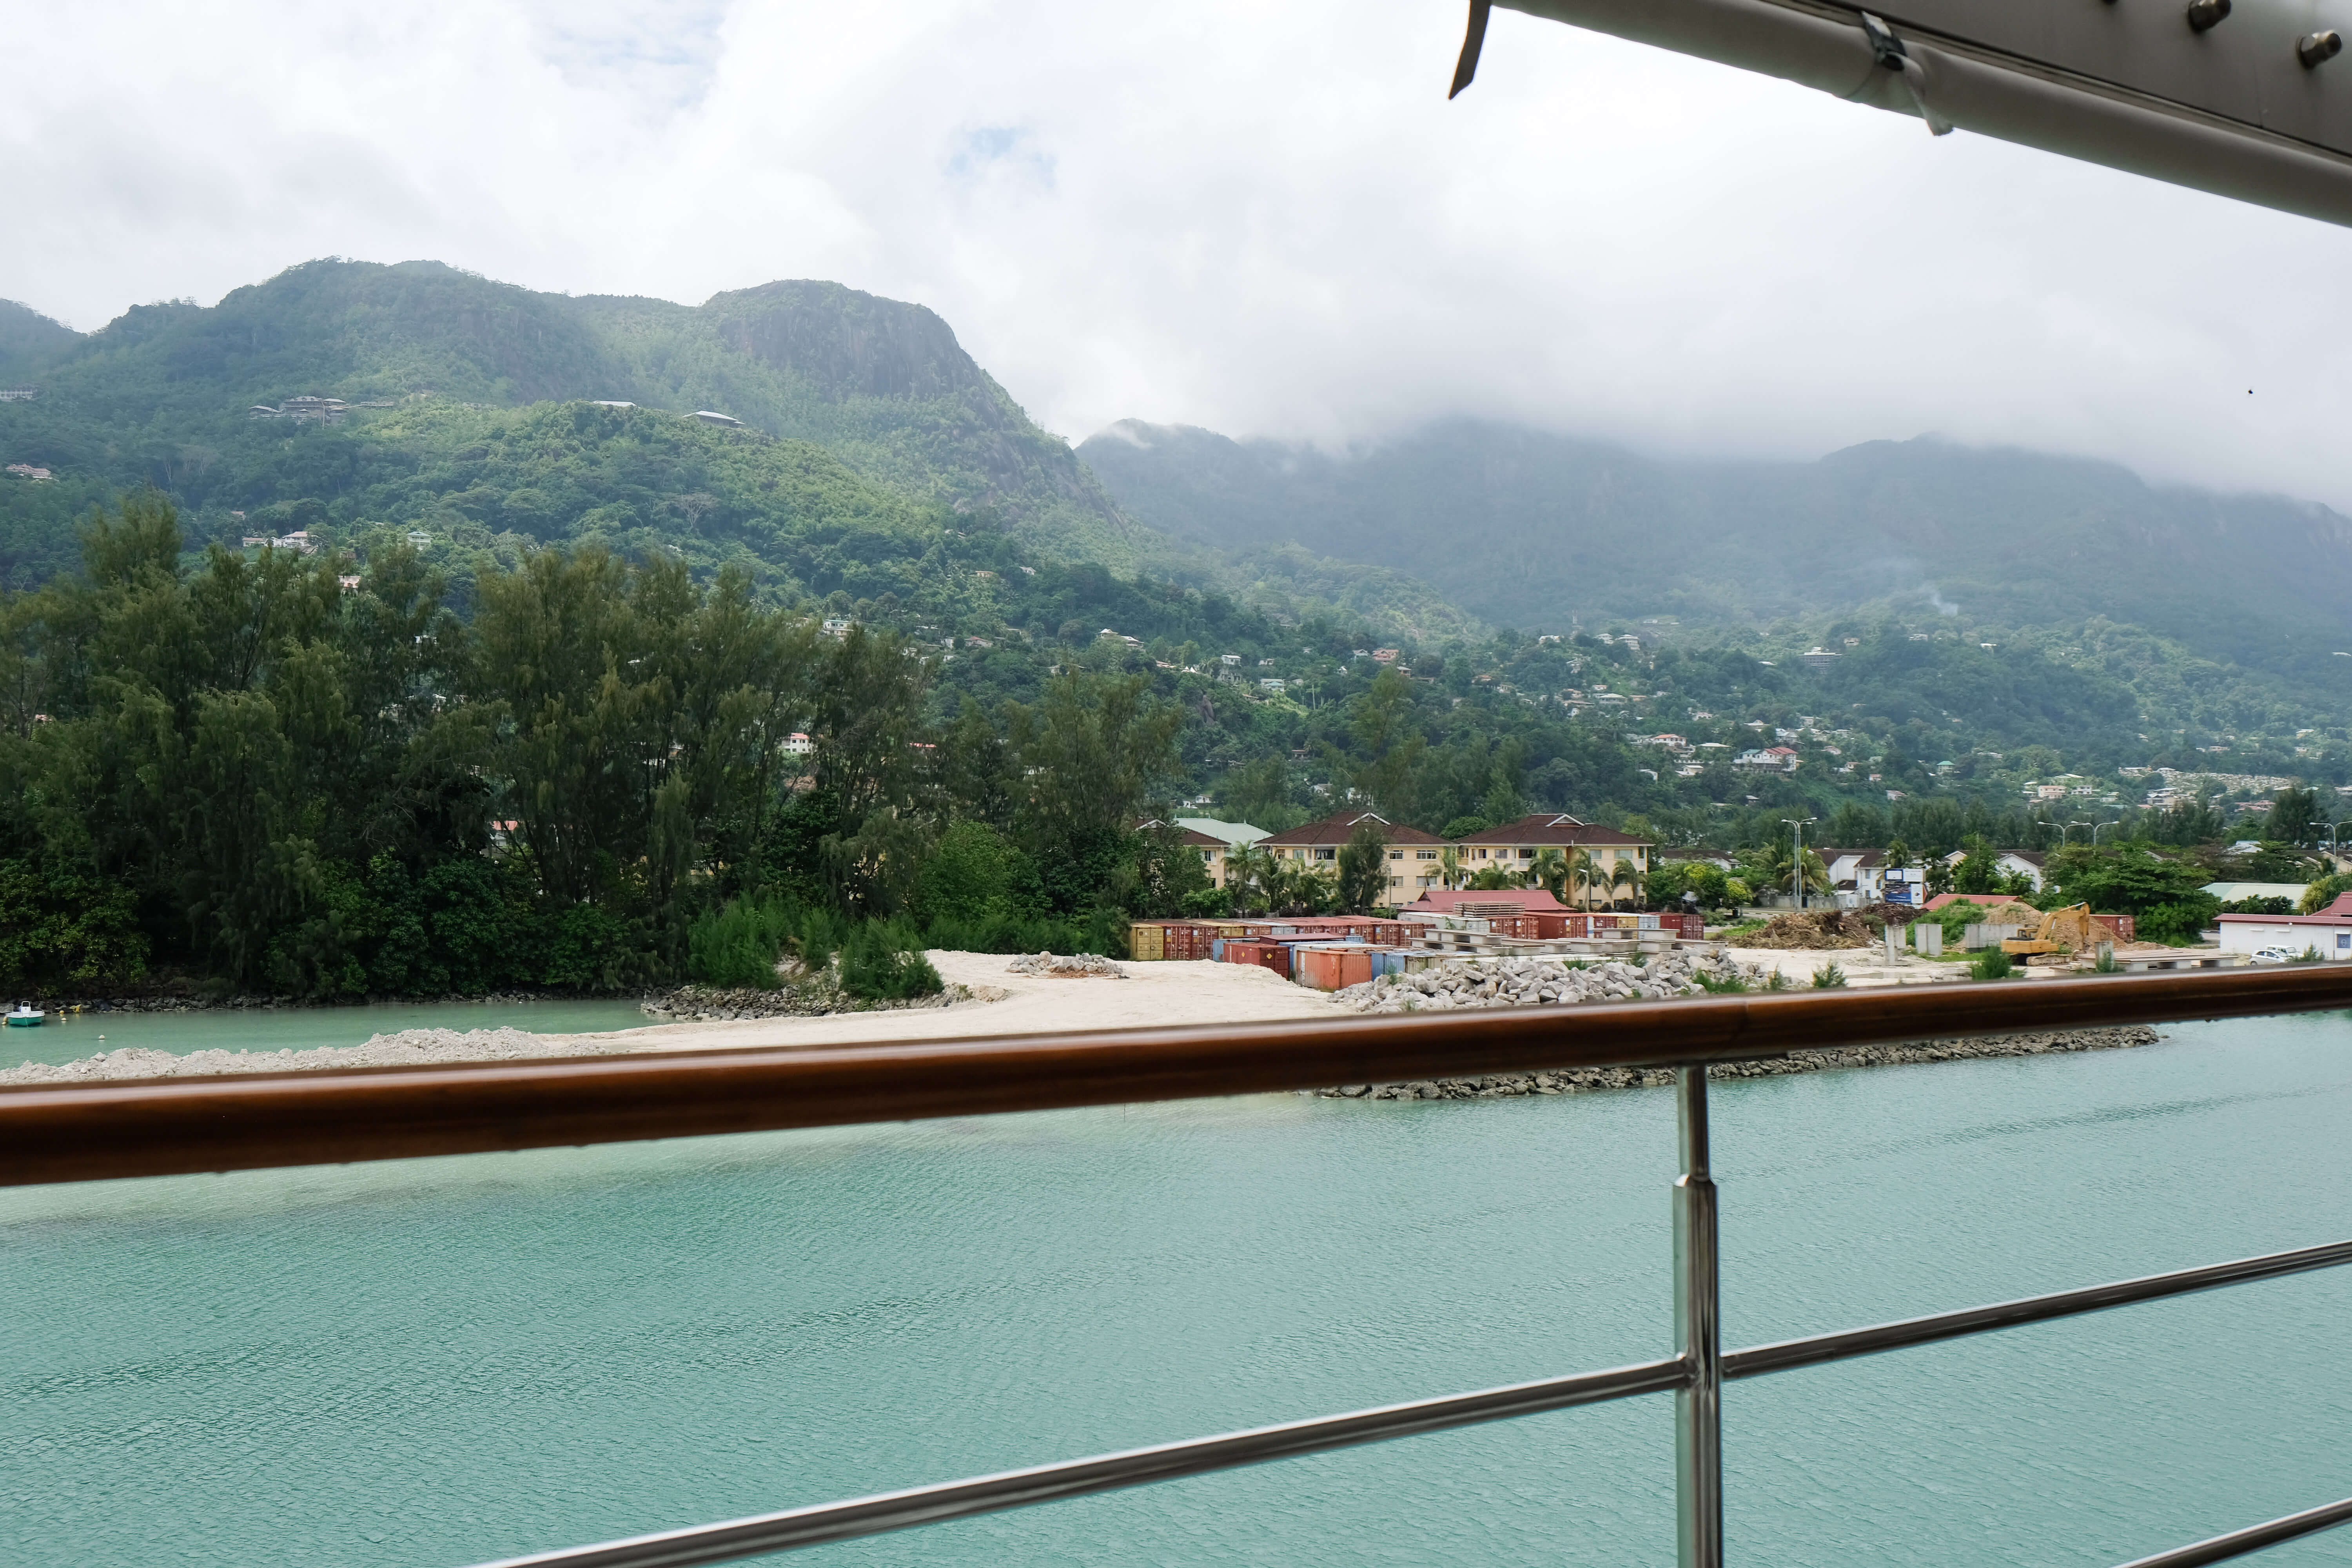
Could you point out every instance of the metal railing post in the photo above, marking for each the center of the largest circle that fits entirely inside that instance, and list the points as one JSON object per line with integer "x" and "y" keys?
{"x": 1698, "y": 1404}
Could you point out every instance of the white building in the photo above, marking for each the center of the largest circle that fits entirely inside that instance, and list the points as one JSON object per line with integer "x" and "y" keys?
{"x": 2328, "y": 932}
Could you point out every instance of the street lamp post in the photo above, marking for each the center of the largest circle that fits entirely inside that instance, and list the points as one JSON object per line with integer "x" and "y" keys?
{"x": 2094, "y": 832}
{"x": 1797, "y": 856}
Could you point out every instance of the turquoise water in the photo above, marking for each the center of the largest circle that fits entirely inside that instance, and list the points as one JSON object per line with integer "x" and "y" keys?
{"x": 446, "y": 1360}
{"x": 70, "y": 1037}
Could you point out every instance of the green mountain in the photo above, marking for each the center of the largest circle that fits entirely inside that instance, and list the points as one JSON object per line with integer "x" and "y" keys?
{"x": 883, "y": 411}
{"x": 161, "y": 395}
{"x": 29, "y": 340}
{"x": 1537, "y": 530}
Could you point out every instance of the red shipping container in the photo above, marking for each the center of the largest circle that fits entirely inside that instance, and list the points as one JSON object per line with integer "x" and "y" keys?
{"x": 1271, "y": 955}
{"x": 1319, "y": 967}
{"x": 2125, "y": 927}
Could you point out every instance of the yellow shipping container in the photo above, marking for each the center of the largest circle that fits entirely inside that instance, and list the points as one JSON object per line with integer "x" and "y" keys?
{"x": 1146, "y": 942}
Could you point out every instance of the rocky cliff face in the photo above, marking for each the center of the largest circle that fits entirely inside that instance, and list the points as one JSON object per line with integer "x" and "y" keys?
{"x": 846, "y": 343}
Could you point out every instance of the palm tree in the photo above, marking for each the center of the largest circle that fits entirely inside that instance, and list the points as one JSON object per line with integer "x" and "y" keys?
{"x": 1584, "y": 874}
{"x": 1623, "y": 875}
{"x": 1249, "y": 871}
{"x": 1449, "y": 866}
{"x": 1817, "y": 875}
{"x": 1549, "y": 872}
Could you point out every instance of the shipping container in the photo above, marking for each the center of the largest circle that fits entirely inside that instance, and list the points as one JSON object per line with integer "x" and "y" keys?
{"x": 1145, "y": 943}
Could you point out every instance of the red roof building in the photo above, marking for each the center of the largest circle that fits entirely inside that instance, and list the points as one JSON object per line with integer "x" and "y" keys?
{"x": 2327, "y": 933}
{"x": 1515, "y": 847}
{"x": 1413, "y": 855}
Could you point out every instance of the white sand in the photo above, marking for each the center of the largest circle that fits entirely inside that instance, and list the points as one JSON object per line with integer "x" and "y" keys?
{"x": 1199, "y": 992}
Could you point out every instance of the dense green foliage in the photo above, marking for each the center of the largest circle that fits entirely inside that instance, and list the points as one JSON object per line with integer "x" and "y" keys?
{"x": 2169, "y": 896}
{"x": 257, "y": 772}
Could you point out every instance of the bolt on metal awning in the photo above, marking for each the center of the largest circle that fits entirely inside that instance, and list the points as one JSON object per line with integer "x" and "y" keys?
{"x": 2245, "y": 98}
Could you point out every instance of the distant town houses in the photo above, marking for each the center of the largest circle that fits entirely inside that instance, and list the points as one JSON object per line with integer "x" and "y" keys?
{"x": 1777, "y": 759}
{"x": 304, "y": 409}
{"x": 18, "y": 394}
{"x": 300, "y": 538}
{"x": 27, "y": 471}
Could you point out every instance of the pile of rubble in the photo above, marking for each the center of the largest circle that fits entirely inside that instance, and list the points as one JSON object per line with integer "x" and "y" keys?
{"x": 1540, "y": 981}
{"x": 1066, "y": 966}
{"x": 1814, "y": 929}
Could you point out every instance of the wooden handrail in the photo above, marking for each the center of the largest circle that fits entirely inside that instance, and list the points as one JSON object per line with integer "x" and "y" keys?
{"x": 154, "y": 1127}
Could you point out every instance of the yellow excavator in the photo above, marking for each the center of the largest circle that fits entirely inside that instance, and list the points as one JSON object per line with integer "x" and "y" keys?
{"x": 2070, "y": 929}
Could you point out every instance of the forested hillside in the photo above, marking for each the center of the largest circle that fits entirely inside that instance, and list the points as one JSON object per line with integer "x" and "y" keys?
{"x": 160, "y": 395}
{"x": 1535, "y": 530}
{"x": 422, "y": 740}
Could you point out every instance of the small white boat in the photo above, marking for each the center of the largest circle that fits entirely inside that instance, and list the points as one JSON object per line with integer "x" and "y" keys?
{"x": 25, "y": 1016}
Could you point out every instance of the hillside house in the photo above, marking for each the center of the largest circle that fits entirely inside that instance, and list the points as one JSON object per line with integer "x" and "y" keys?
{"x": 1413, "y": 855}
{"x": 27, "y": 471}
{"x": 712, "y": 416}
{"x": 18, "y": 394}
{"x": 1777, "y": 759}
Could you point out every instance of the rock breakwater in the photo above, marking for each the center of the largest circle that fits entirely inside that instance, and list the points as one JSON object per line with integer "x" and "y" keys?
{"x": 815, "y": 998}
{"x": 1579, "y": 1080}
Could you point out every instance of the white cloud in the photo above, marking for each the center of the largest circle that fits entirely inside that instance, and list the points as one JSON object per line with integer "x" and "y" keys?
{"x": 1261, "y": 219}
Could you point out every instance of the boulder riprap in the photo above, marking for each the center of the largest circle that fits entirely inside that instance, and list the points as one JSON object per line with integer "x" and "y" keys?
{"x": 1066, "y": 966}
{"x": 1575, "y": 1080}
{"x": 1547, "y": 982}
{"x": 810, "y": 996}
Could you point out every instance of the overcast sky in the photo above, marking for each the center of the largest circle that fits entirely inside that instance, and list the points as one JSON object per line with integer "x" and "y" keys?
{"x": 1265, "y": 219}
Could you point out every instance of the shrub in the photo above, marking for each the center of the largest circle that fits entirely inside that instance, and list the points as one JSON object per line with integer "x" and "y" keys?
{"x": 739, "y": 945}
{"x": 1776, "y": 981}
{"x": 2108, "y": 963}
{"x": 1992, "y": 964}
{"x": 1726, "y": 987}
{"x": 1829, "y": 977}
{"x": 882, "y": 961}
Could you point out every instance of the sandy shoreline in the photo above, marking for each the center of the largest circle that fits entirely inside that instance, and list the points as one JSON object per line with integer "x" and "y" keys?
{"x": 1151, "y": 994}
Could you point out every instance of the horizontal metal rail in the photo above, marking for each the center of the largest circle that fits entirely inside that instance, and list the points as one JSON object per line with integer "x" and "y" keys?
{"x": 172, "y": 1126}
{"x": 1106, "y": 1472}
{"x": 2253, "y": 1537}
{"x": 1136, "y": 1467}
{"x": 1758, "y": 1360}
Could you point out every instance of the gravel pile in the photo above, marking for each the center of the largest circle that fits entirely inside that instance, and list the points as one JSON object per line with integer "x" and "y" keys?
{"x": 409, "y": 1048}
{"x": 1543, "y": 981}
{"x": 1065, "y": 966}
